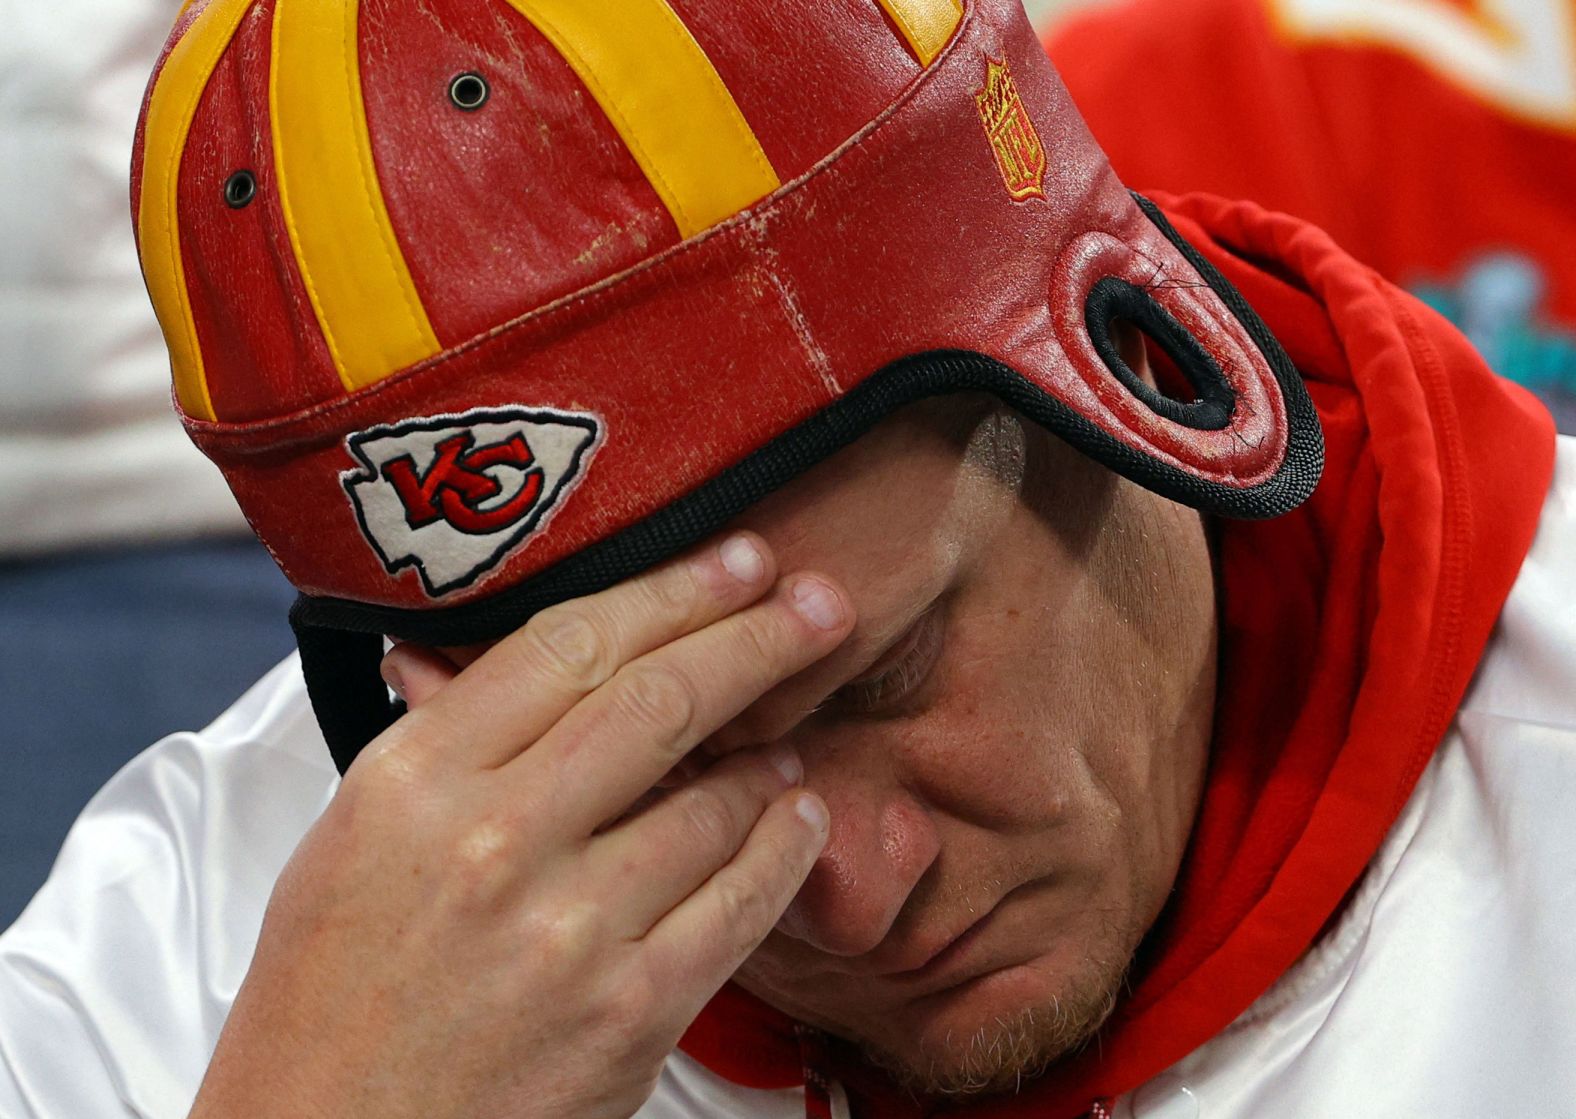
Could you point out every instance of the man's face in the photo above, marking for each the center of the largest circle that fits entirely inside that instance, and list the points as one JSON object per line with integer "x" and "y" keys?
{"x": 1012, "y": 742}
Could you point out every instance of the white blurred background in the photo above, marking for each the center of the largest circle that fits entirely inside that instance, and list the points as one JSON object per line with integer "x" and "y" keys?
{"x": 1042, "y": 10}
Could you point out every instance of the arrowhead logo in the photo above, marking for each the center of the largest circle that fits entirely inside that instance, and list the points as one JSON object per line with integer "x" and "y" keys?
{"x": 453, "y": 496}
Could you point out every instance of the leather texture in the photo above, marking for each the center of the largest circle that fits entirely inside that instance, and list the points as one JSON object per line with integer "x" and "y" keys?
{"x": 261, "y": 343}
{"x": 926, "y": 24}
{"x": 555, "y": 277}
{"x": 559, "y": 201}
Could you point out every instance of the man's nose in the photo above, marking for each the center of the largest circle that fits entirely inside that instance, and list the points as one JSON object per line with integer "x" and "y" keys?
{"x": 880, "y": 844}
{"x": 881, "y": 840}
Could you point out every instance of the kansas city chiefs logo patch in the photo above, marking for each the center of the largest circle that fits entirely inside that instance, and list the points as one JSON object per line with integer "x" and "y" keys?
{"x": 454, "y": 496}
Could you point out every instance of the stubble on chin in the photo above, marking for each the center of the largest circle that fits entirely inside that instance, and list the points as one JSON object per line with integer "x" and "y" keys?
{"x": 1005, "y": 1053}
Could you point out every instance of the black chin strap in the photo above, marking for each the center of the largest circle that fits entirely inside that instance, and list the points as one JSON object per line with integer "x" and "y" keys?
{"x": 348, "y": 695}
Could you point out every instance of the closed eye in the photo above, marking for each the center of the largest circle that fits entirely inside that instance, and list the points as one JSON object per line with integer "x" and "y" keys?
{"x": 898, "y": 674}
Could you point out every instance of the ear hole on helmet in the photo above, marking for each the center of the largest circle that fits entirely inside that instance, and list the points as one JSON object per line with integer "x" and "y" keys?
{"x": 469, "y": 91}
{"x": 1189, "y": 387}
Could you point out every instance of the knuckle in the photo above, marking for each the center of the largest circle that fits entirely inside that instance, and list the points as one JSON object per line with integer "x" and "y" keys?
{"x": 480, "y": 861}
{"x": 672, "y": 592}
{"x": 761, "y": 643}
{"x": 565, "y": 935}
{"x": 633, "y": 1000}
{"x": 392, "y": 774}
{"x": 482, "y": 845}
{"x": 707, "y": 817}
{"x": 745, "y": 909}
{"x": 570, "y": 643}
{"x": 659, "y": 698}
{"x": 790, "y": 860}
{"x": 631, "y": 1012}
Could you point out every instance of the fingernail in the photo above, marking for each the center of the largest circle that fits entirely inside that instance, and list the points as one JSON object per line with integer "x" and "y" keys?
{"x": 391, "y": 677}
{"x": 812, "y": 811}
{"x": 817, "y": 604}
{"x": 785, "y": 760}
{"x": 742, "y": 559}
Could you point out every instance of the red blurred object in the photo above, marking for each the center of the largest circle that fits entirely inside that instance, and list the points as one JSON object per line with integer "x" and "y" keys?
{"x": 1434, "y": 140}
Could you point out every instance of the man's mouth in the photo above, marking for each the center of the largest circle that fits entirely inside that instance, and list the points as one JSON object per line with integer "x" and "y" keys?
{"x": 950, "y": 956}
{"x": 965, "y": 955}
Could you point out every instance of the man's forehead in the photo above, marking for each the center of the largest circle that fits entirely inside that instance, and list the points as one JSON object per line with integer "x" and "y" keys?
{"x": 899, "y": 516}
{"x": 920, "y": 482}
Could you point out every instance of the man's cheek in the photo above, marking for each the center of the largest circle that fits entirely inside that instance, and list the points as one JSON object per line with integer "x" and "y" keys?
{"x": 993, "y": 748}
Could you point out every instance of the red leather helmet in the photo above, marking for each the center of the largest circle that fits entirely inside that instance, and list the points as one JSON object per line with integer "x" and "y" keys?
{"x": 480, "y": 305}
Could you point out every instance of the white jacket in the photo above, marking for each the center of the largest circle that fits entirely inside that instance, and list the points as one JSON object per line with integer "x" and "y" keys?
{"x": 1446, "y": 990}
{"x": 90, "y": 450}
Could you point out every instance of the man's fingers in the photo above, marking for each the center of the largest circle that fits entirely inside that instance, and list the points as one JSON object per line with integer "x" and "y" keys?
{"x": 621, "y": 740}
{"x": 416, "y": 673}
{"x": 704, "y": 939}
{"x": 499, "y": 705}
{"x": 656, "y": 859}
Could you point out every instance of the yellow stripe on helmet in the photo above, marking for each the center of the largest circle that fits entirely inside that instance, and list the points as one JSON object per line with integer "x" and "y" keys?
{"x": 171, "y": 109}
{"x": 351, "y": 263}
{"x": 666, "y": 100}
{"x": 926, "y": 24}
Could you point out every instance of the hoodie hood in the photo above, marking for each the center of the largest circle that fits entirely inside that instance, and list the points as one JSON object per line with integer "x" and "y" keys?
{"x": 1349, "y": 632}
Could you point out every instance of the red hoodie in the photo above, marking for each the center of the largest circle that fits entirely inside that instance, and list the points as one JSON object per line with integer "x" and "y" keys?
{"x": 1350, "y": 630}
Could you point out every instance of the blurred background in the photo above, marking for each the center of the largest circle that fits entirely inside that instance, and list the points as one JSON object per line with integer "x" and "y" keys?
{"x": 133, "y": 601}
{"x": 1043, "y": 11}
{"x": 1435, "y": 139}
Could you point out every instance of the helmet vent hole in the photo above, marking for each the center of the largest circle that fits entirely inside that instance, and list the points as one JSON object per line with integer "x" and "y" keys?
{"x": 469, "y": 91}
{"x": 239, "y": 190}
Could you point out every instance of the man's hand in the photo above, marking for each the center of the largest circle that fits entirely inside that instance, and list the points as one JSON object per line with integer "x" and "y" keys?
{"x": 496, "y": 918}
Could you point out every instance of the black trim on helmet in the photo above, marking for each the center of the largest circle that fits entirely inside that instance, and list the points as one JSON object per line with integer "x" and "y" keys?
{"x": 1114, "y": 298}
{"x": 341, "y": 640}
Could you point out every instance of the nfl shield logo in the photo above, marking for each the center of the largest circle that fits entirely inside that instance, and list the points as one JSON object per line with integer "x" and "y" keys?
{"x": 1019, "y": 154}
